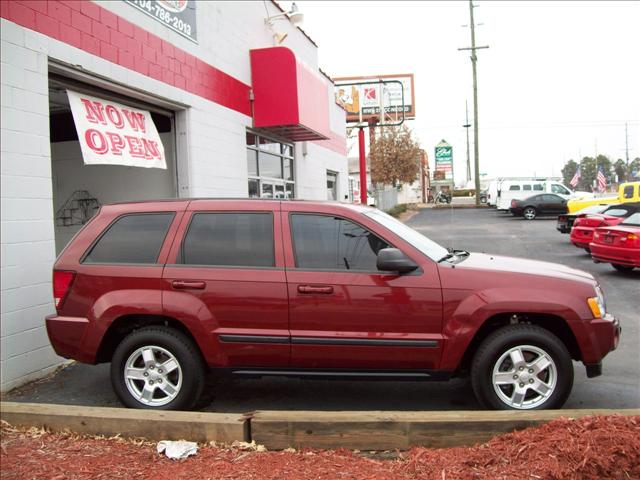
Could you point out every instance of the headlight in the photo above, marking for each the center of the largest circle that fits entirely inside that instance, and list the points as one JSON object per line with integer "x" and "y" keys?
{"x": 597, "y": 305}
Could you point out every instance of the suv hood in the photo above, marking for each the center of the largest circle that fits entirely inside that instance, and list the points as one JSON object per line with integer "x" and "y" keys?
{"x": 500, "y": 264}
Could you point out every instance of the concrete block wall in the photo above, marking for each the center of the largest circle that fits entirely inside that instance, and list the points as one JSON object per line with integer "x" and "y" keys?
{"x": 27, "y": 248}
{"x": 210, "y": 132}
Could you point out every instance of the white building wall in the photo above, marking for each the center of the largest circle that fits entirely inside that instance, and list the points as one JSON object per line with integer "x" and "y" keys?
{"x": 26, "y": 220}
{"x": 211, "y": 153}
{"x": 311, "y": 176}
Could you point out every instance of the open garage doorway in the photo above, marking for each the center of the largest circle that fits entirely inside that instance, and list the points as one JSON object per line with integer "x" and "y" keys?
{"x": 79, "y": 189}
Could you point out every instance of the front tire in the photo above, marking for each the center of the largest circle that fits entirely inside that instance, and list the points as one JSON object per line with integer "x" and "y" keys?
{"x": 529, "y": 213}
{"x": 522, "y": 367}
{"x": 157, "y": 368}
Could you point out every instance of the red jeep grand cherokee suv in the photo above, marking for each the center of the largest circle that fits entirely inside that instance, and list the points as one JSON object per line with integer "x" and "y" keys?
{"x": 165, "y": 290}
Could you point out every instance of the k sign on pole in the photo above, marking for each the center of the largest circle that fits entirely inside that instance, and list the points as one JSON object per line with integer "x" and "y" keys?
{"x": 114, "y": 134}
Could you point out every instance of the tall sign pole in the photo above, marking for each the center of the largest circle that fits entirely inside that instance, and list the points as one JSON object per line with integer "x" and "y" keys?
{"x": 363, "y": 167}
{"x": 626, "y": 149}
{"x": 474, "y": 60}
{"x": 466, "y": 127}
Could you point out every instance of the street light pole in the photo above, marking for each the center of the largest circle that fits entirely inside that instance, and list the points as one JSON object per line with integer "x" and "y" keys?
{"x": 626, "y": 149}
{"x": 476, "y": 143}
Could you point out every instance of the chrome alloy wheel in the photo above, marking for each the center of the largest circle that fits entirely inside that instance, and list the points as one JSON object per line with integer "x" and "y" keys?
{"x": 529, "y": 213}
{"x": 524, "y": 377}
{"x": 153, "y": 375}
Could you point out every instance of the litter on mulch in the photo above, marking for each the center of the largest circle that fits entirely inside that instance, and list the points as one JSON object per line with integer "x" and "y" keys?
{"x": 604, "y": 447}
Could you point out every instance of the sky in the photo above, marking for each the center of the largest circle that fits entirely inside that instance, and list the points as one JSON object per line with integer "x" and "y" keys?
{"x": 558, "y": 81}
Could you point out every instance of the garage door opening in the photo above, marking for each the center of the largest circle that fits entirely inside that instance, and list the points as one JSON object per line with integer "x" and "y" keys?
{"x": 79, "y": 189}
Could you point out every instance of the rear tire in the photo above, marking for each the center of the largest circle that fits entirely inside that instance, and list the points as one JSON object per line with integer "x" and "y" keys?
{"x": 522, "y": 367}
{"x": 622, "y": 268}
{"x": 157, "y": 368}
{"x": 529, "y": 213}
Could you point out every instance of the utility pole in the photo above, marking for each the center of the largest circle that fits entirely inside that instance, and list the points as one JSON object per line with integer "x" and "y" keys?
{"x": 466, "y": 127}
{"x": 474, "y": 59}
{"x": 626, "y": 148}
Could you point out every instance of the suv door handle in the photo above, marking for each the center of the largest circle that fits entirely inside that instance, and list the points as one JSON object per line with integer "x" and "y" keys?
{"x": 187, "y": 285}
{"x": 315, "y": 289}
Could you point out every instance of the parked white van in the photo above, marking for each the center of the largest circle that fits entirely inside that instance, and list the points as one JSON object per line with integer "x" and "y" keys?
{"x": 520, "y": 189}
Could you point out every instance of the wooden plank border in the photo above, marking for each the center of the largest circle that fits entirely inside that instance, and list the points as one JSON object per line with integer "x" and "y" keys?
{"x": 376, "y": 430}
{"x": 128, "y": 423}
{"x": 398, "y": 430}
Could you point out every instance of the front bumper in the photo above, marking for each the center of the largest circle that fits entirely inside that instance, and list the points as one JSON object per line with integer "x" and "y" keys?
{"x": 604, "y": 337}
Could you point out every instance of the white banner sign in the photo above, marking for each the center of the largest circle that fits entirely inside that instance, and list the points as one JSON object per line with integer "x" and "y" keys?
{"x": 114, "y": 134}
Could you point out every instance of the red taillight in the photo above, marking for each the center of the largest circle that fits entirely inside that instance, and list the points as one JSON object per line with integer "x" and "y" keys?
{"x": 630, "y": 240}
{"x": 61, "y": 282}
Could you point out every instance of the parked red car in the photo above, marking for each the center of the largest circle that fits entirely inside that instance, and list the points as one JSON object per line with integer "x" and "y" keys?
{"x": 619, "y": 246}
{"x": 166, "y": 290}
{"x": 585, "y": 225}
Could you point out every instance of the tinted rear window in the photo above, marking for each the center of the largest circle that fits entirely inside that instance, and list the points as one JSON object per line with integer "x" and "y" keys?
{"x": 229, "y": 239}
{"x": 134, "y": 238}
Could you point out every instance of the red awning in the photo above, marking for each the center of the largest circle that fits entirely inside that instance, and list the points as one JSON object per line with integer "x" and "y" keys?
{"x": 291, "y": 100}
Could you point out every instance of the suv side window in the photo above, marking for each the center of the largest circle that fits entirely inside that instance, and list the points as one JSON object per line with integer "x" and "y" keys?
{"x": 229, "y": 239}
{"x": 514, "y": 187}
{"x": 332, "y": 243}
{"x": 628, "y": 192}
{"x": 135, "y": 238}
{"x": 538, "y": 187}
{"x": 526, "y": 187}
{"x": 559, "y": 189}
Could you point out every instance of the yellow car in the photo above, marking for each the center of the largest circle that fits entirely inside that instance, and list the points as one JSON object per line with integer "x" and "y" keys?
{"x": 627, "y": 193}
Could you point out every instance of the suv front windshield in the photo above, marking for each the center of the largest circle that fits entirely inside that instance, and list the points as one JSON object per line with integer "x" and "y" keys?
{"x": 430, "y": 248}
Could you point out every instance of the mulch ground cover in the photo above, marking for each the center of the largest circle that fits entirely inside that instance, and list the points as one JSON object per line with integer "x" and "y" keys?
{"x": 588, "y": 448}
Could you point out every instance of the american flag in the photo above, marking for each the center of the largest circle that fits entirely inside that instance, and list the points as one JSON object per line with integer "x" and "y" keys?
{"x": 576, "y": 178}
{"x": 602, "y": 180}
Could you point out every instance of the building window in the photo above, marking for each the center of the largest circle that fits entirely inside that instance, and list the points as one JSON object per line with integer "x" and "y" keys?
{"x": 270, "y": 167}
{"x": 332, "y": 185}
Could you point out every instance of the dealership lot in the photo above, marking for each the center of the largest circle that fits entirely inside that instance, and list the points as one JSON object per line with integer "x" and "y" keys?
{"x": 482, "y": 230}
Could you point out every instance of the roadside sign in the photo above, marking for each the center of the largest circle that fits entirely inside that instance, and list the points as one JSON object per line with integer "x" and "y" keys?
{"x": 443, "y": 162}
{"x": 362, "y": 95}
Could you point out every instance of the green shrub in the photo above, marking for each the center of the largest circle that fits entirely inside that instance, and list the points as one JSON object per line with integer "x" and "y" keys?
{"x": 398, "y": 209}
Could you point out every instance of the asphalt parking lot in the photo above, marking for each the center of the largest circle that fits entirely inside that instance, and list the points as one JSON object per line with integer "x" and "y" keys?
{"x": 480, "y": 230}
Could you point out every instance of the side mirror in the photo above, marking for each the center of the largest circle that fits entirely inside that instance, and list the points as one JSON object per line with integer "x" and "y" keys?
{"x": 393, "y": 260}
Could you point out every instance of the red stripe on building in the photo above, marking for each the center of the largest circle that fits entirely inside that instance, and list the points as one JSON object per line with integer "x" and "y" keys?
{"x": 89, "y": 27}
